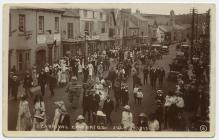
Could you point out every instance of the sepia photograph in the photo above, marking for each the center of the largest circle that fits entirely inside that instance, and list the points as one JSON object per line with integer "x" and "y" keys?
{"x": 109, "y": 70}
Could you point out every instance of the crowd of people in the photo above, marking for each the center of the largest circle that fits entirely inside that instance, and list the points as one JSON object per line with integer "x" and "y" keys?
{"x": 103, "y": 93}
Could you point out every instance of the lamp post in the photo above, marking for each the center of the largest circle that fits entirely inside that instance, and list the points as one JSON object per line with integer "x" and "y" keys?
{"x": 85, "y": 45}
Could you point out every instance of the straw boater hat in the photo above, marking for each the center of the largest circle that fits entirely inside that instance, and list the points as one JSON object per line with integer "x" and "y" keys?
{"x": 59, "y": 103}
{"x": 142, "y": 115}
{"x": 14, "y": 76}
{"x": 74, "y": 78}
{"x": 159, "y": 91}
{"x": 80, "y": 117}
{"x": 39, "y": 117}
{"x": 100, "y": 113}
{"x": 126, "y": 107}
{"x": 93, "y": 90}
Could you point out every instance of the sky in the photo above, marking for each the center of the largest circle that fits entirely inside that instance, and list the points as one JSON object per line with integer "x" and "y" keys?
{"x": 148, "y": 8}
{"x": 155, "y": 8}
{"x": 178, "y": 8}
{"x": 163, "y": 8}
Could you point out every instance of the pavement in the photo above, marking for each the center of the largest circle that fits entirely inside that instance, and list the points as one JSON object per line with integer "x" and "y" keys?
{"x": 148, "y": 103}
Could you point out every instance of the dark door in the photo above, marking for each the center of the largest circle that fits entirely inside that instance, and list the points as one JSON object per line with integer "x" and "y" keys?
{"x": 50, "y": 55}
{"x": 41, "y": 58}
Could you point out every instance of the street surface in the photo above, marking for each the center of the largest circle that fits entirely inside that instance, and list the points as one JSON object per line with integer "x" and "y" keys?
{"x": 148, "y": 103}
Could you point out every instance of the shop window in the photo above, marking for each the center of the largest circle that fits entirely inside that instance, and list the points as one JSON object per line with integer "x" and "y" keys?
{"x": 85, "y": 13}
{"x": 93, "y": 14}
{"x": 57, "y": 24}
{"x": 41, "y": 24}
{"x": 21, "y": 23}
{"x": 70, "y": 30}
{"x": 103, "y": 28}
{"x": 101, "y": 15}
{"x": 20, "y": 61}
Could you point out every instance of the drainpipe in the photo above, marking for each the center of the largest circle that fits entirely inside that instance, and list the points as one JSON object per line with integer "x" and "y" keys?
{"x": 36, "y": 26}
{"x": 36, "y": 40}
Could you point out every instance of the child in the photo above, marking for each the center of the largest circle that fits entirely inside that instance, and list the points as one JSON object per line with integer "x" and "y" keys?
{"x": 139, "y": 96}
{"x": 135, "y": 93}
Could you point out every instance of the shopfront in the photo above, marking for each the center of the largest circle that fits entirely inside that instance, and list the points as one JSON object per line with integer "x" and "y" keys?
{"x": 75, "y": 48}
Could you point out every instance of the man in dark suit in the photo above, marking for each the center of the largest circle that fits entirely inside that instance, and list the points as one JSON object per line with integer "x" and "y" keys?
{"x": 151, "y": 76}
{"x": 117, "y": 92}
{"x": 94, "y": 104}
{"x": 161, "y": 77}
{"x": 42, "y": 82}
{"x": 28, "y": 83}
{"x": 145, "y": 71}
{"x": 15, "y": 84}
{"x": 86, "y": 73}
{"x": 52, "y": 83}
{"x": 108, "y": 107}
{"x": 156, "y": 76}
{"x": 87, "y": 105}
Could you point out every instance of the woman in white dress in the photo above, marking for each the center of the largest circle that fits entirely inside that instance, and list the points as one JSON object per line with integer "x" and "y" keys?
{"x": 39, "y": 120}
{"x": 34, "y": 75}
{"x": 59, "y": 111}
{"x": 127, "y": 119}
{"x": 79, "y": 68}
{"x": 59, "y": 77}
{"x": 24, "y": 121}
{"x": 153, "y": 124}
{"x": 63, "y": 76}
{"x": 90, "y": 69}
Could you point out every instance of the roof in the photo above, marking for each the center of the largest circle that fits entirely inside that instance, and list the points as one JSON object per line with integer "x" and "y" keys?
{"x": 186, "y": 26}
{"x": 177, "y": 27}
{"x": 156, "y": 45}
{"x": 182, "y": 27}
{"x": 132, "y": 25}
{"x": 140, "y": 17}
{"x": 156, "y": 15}
{"x": 165, "y": 28}
{"x": 70, "y": 13}
{"x": 151, "y": 21}
{"x": 39, "y": 9}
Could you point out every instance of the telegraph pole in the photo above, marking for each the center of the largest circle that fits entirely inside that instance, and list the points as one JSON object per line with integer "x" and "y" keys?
{"x": 192, "y": 36}
{"x": 122, "y": 28}
{"x": 196, "y": 27}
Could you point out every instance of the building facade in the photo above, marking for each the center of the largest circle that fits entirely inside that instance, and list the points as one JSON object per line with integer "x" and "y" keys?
{"x": 92, "y": 27}
{"x": 72, "y": 43}
{"x": 35, "y": 37}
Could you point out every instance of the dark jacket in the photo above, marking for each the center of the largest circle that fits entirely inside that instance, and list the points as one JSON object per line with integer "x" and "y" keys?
{"x": 111, "y": 75}
{"x": 52, "y": 81}
{"x": 145, "y": 71}
{"x": 161, "y": 74}
{"x": 14, "y": 85}
{"x": 86, "y": 102}
{"x": 42, "y": 79}
{"x": 136, "y": 79}
{"x": 108, "y": 106}
{"x": 85, "y": 72}
{"x": 95, "y": 100}
{"x": 28, "y": 82}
